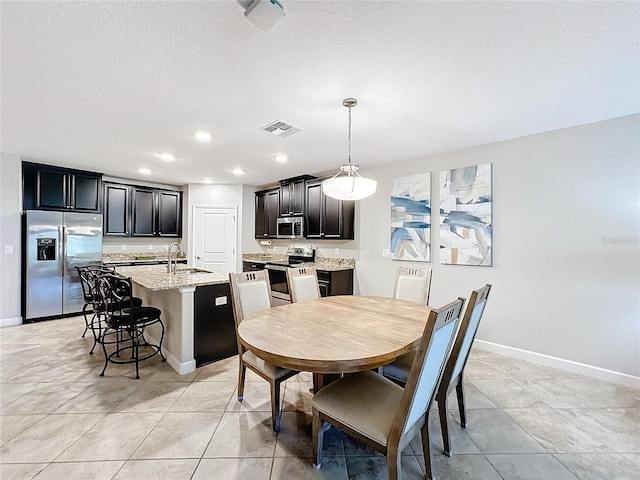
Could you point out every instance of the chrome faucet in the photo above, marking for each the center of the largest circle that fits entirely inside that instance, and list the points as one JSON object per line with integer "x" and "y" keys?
{"x": 175, "y": 262}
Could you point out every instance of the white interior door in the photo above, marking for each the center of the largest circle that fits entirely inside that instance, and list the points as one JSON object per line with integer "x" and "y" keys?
{"x": 214, "y": 238}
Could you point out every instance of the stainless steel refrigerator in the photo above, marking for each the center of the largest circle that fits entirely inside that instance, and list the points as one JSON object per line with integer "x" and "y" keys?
{"x": 54, "y": 244}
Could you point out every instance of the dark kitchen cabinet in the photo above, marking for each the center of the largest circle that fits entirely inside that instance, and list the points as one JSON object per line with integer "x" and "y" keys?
{"x": 47, "y": 187}
{"x": 135, "y": 211}
{"x": 327, "y": 217}
{"x": 292, "y": 195}
{"x": 252, "y": 266}
{"x": 267, "y": 210}
{"x": 214, "y": 332}
{"x": 117, "y": 204}
{"x": 169, "y": 213}
{"x": 143, "y": 212}
{"x": 335, "y": 282}
{"x": 155, "y": 213}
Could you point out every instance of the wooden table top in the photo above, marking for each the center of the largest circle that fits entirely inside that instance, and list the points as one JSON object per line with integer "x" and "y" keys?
{"x": 335, "y": 334}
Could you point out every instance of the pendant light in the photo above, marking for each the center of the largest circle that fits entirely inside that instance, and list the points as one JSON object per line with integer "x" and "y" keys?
{"x": 347, "y": 184}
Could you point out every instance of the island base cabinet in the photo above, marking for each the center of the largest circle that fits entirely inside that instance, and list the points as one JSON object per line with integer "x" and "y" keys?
{"x": 214, "y": 330}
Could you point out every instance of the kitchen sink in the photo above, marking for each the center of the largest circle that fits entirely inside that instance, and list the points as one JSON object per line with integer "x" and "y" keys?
{"x": 191, "y": 271}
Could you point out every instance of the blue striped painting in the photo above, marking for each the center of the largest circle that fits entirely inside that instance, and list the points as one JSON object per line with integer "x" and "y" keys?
{"x": 411, "y": 218}
{"x": 466, "y": 216}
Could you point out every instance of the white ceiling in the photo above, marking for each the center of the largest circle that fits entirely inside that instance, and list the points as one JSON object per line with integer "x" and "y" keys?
{"x": 104, "y": 86}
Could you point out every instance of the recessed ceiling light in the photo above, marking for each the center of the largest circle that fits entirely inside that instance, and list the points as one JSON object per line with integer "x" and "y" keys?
{"x": 144, "y": 171}
{"x": 281, "y": 158}
{"x": 202, "y": 136}
{"x": 167, "y": 157}
{"x": 207, "y": 180}
{"x": 237, "y": 171}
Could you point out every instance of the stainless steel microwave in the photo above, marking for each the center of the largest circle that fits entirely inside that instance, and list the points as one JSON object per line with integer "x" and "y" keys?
{"x": 290, "y": 227}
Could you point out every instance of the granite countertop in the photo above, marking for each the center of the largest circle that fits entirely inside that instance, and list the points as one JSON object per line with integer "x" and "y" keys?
{"x": 155, "y": 277}
{"x": 327, "y": 264}
{"x": 139, "y": 257}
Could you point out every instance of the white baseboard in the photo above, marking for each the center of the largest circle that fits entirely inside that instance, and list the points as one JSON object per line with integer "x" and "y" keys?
{"x": 10, "y": 322}
{"x": 181, "y": 367}
{"x": 560, "y": 363}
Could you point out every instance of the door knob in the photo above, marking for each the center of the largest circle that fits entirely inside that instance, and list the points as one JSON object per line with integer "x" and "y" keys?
{"x": 198, "y": 257}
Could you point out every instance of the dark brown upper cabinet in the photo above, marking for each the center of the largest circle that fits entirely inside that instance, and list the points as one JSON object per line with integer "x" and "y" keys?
{"x": 117, "y": 205}
{"x": 327, "y": 217}
{"x": 46, "y": 187}
{"x": 135, "y": 211}
{"x": 292, "y": 195}
{"x": 169, "y": 213}
{"x": 267, "y": 211}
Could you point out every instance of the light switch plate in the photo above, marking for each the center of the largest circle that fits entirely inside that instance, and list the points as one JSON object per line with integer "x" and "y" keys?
{"x": 386, "y": 252}
{"x": 124, "y": 247}
{"x": 337, "y": 251}
{"x": 221, "y": 301}
{"x": 150, "y": 247}
{"x": 8, "y": 249}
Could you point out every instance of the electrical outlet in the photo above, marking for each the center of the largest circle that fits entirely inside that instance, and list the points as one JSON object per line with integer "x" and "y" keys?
{"x": 150, "y": 247}
{"x": 386, "y": 252}
{"x": 337, "y": 251}
{"x": 8, "y": 249}
{"x": 124, "y": 247}
{"x": 221, "y": 301}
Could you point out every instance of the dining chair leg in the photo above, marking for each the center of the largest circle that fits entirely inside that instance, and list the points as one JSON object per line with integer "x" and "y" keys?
{"x": 103, "y": 339}
{"x": 461, "y": 407}
{"x": 426, "y": 450}
{"x": 275, "y": 406}
{"x": 135, "y": 338}
{"x": 96, "y": 331}
{"x": 86, "y": 320}
{"x": 318, "y": 436}
{"x": 444, "y": 423}
{"x": 242, "y": 373}
{"x": 394, "y": 458}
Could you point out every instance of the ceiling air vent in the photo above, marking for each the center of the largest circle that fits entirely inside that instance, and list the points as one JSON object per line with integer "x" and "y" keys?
{"x": 280, "y": 128}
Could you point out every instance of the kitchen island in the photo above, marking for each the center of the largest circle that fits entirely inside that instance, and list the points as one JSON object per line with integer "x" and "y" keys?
{"x": 186, "y": 301}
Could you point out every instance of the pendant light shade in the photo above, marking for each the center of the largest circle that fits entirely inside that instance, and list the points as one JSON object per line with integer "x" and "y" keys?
{"x": 347, "y": 184}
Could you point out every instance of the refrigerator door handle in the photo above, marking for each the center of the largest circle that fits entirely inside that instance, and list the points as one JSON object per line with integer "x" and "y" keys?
{"x": 63, "y": 258}
{"x": 60, "y": 251}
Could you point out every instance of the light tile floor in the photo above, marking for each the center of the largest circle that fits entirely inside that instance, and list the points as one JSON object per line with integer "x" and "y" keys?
{"x": 60, "y": 420}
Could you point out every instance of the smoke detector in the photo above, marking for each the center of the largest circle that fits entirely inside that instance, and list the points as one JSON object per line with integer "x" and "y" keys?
{"x": 280, "y": 128}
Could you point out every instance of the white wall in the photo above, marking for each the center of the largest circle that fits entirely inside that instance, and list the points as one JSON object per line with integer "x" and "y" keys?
{"x": 10, "y": 235}
{"x": 560, "y": 286}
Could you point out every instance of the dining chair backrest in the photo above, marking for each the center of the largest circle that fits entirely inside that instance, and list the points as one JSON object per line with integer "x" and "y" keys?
{"x": 303, "y": 284}
{"x": 426, "y": 371}
{"x": 413, "y": 284}
{"x": 468, "y": 330}
{"x": 250, "y": 292}
{"x": 85, "y": 283}
{"x": 115, "y": 293}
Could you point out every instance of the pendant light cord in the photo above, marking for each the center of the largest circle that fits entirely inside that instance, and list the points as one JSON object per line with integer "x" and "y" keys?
{"x": 349, "y": 134}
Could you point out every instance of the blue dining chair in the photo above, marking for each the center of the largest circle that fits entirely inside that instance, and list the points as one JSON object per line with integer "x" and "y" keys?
{"x": 382, "y": 414}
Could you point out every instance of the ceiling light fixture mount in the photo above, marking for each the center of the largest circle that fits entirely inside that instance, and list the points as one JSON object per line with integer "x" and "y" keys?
{"x": 347, "y": 184}
{"x": 265, "y": 14}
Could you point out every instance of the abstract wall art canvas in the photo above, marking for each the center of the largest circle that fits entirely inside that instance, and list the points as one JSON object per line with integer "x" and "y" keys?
{"x": 465, "y": 216}
{"x": 411, "y": 218}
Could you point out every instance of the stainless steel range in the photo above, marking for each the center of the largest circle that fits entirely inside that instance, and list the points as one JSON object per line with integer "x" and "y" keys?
{"x": 296, "y": 256}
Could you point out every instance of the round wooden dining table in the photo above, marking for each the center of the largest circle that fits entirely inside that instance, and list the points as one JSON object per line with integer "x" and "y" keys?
{"x": 340, "y": 334}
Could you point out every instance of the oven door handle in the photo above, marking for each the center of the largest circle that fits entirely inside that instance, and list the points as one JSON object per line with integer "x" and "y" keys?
{"x": 280, "y": 268}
